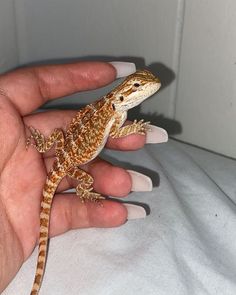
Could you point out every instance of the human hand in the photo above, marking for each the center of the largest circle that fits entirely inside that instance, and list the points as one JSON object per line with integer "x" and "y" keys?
{"x": 23, "y": 172}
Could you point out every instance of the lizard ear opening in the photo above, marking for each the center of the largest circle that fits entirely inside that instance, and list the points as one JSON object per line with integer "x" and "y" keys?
{"x": 113, "y": 106}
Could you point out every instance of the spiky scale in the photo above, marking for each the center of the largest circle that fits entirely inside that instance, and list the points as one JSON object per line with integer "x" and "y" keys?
{"x": 83, "y": 140}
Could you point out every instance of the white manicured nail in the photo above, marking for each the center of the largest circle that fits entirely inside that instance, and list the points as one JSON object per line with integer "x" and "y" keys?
{"x": 135, "y": 211}
{"x": 140, "y": 182}
{"x": 156, "y": 135}
{"x": 123, "y": 69}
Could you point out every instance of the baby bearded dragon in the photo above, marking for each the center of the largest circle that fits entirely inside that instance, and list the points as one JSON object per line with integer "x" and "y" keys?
{"x": 83, "y": 141}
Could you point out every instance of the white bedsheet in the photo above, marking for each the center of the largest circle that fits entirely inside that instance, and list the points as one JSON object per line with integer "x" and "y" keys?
{"x": 187, "y": 245}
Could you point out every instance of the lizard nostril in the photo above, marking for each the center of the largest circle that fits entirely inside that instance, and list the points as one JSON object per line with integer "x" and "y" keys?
{"x": 109, "y": 95}
{"x": 121, "y": 98}
{"x": 136, "y": 85}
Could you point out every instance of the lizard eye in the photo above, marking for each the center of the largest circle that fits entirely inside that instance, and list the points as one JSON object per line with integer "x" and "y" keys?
{"x": 136, "y": 85}
{"x": 121, "y": 98}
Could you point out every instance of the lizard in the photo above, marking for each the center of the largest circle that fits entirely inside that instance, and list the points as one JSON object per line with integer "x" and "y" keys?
{"x": 82, "y": 141}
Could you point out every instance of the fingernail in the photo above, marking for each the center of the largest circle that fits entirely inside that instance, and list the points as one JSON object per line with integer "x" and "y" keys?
{"x": 135, "y": 211}
{"x": 156, "y": 135}
{"x": 123, "y": 69}
{"x": 140, "y": 182}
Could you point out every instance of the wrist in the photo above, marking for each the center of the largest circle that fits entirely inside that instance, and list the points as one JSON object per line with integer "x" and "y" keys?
{"x": 11, "y": 254}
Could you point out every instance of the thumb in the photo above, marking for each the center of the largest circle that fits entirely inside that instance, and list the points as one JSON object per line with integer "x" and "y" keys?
{"x": 68, "y": 212}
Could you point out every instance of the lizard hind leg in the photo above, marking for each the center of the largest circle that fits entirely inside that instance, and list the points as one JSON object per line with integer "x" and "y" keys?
{"x": 85, "y": 187}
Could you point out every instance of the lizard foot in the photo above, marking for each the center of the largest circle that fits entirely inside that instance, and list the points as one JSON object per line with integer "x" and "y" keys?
{"x": 141, "y": 127}
{"x": 87, "y": 195}
{"x": 36, "y": 139}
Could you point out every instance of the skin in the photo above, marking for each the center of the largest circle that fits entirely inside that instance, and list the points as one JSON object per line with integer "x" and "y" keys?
{"x": 23, "y": 173}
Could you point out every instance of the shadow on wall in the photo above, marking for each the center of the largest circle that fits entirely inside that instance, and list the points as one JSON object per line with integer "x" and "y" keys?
{"x": 165, "y": 74}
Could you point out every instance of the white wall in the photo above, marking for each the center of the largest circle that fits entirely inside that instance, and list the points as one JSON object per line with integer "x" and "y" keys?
{"x": 8, "y": 41}
{"x": 206, "y": 97}
{"x": 193, "y": 41}
{"x": 54, "y": 29}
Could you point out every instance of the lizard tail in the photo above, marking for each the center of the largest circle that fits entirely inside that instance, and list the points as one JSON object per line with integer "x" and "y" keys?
{"x": 53, "y": 179}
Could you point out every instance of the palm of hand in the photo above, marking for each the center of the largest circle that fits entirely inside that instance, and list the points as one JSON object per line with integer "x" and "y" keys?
{"x": 22, "y": 178}
{"x": 23, "y": 172}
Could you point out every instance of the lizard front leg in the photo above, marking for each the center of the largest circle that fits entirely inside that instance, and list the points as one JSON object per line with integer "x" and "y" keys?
{"x": 137, "y": 127}
{"x": 85, "y": 187}
{"x": 43, "y": 144}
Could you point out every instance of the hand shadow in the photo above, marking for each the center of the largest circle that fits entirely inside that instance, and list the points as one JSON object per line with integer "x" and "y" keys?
{"x": 141, "y": 169}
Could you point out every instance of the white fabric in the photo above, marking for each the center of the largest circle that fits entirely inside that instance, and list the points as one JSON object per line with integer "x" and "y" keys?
{"x": 187, "y": 245}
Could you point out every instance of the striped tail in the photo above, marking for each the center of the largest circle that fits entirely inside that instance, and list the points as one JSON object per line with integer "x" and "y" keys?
{"x": 53, "y": 179}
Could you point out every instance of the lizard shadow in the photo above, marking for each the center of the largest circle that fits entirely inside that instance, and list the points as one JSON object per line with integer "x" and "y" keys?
{"x": 129, "y": 166}
{"x": 166, "y": 75}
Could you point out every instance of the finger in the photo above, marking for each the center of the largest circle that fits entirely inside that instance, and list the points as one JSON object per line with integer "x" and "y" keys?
{"x": 30, "y": 87}
{"x": 131, "y": 142}
{"x": 69, "y": 213}
{"x": 108, "y": 179}
{"x": 46, "y": 122}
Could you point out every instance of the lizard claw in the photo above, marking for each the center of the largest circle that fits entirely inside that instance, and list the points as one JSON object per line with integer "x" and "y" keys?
{"x": 142, "y": 127}
{"x": 30, "y": 138}
{"x": 88, "y": 195}
{"x": 37, "y": 138}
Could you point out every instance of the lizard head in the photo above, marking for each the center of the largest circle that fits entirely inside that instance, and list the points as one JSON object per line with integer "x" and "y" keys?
{"x": 134, "y": 90}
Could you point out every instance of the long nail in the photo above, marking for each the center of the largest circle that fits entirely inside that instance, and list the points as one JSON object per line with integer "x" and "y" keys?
{"x": 140, "y": 182}
{"x": 123, "y": 69}
{"x": 156, "y": 134}
{"x": 135, "y": 211}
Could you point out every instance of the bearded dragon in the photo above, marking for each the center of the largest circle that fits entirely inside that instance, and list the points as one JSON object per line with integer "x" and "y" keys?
{"x": 83, "y": 140}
